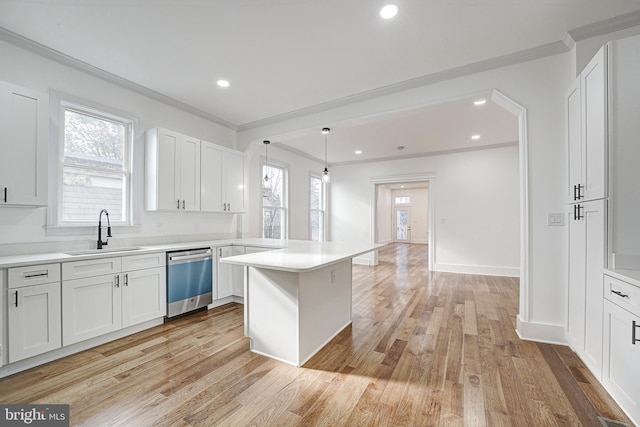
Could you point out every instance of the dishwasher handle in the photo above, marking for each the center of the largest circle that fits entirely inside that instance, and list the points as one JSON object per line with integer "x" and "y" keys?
{"x": 201, "y": 255}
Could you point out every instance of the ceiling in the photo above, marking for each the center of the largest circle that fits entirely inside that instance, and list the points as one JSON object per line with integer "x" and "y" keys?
{"x": 288, "y": 57}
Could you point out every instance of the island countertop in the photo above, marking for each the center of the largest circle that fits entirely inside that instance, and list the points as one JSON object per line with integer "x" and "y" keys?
{"x": 302, "y": 256}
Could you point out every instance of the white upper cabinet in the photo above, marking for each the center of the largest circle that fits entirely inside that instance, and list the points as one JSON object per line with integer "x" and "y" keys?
{"x": 23, "y": 134}
{"x": 172, "y": 171}
{"x": 587, "y": 131}
{"x": 222, "y": 179}
{"x": 593, "y": 85}
{"x": 574, "y": 140}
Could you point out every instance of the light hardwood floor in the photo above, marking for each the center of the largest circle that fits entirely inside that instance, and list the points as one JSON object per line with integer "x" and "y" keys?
{"x": 424, "y": 349}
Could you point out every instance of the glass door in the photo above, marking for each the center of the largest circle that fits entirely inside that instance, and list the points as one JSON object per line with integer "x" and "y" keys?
{"x": 402, "y": 225}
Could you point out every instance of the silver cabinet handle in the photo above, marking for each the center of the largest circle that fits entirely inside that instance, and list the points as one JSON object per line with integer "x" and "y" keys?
{"x": 183, "y": 204}
{"x": 126, "y": 279}
{"x": 16, "y": 298}
{"x": 229, "y": 207}
{"x": 117, "y": 280}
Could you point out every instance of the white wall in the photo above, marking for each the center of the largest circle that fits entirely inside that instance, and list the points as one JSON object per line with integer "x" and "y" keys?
{"x": 299, "y": 170}
{"x": 539, "y": 86}
{"x": 23, "y": 229}
{"x": 474, "y": 196}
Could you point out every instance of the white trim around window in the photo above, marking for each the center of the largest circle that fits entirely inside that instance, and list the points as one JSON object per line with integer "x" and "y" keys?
{"x": 56, "y": 225}
{"x": 318, "y": 216}
{"x": 282, "y": 207}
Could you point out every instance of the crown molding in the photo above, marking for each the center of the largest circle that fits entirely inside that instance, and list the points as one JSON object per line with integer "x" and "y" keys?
{"x": 611, "y": 25}
{"x": 57, "y": 56}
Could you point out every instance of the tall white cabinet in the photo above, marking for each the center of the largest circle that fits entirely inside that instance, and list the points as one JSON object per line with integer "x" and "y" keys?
{"x": 603, "y": 321}
{"x": 24, "y": 131}
{"x": 587, "y": 148}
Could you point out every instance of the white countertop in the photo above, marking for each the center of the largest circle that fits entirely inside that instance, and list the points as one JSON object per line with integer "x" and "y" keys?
{"x": 301, "y": 255}
{"x": 45, "y": 258}
{"x": 629, "y": 276}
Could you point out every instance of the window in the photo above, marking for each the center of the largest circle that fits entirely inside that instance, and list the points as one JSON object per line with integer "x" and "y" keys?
{"x": 403, "y": 200}
{"x": 317, "y": 208}
{"x": 274, "y": 211}
{"x": 94, "y": 166}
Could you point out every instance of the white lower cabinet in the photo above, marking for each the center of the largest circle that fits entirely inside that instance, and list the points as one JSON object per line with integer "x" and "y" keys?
{"x": 587, "y": 254}
{"x": 230, "y": 278}
{"x": 95, "y": 305}
{"x": 33, "y": 311}
{"x": 224, "y": 287}
{"x": 621, "y": 368}
{"x": 91, "y": 307}
{"x": 33, "y": 320}
{"x": 144, "y": 296}
{"x": 237, "y": 273}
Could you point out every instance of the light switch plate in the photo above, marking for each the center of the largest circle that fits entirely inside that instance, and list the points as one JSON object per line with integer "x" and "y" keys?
{"x": 556, "y": 219}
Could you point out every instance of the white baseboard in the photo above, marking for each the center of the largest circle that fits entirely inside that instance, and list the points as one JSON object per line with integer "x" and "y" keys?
{"x": 420, "y": 242}
{"x": 541, "y": 332}
{"x": 478, "y": 269}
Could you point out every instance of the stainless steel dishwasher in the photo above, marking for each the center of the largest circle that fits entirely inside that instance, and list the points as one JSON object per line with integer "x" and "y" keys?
{"x": 189, "y": 280}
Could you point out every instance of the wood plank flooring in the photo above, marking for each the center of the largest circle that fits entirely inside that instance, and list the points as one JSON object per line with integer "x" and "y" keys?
{"x": 424, "y": 349}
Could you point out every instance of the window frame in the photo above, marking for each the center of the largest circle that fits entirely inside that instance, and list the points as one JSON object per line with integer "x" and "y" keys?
{"x": 59, "y": 104}
{"x": 285, "y": 196}
{"x": 323, "y": 206}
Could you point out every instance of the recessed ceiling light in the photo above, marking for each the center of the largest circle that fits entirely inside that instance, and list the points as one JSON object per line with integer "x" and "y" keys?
{"x": 475, "y": 136}
{"x": 389, "y": 11}
{"x": 358, "y": 151}
{"x": 402, "y": 186}
{"x": 480, "y": 102}
{"x": 223, "y": 83}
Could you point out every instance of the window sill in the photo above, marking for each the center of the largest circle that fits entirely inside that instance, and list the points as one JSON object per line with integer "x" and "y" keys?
{"x": 84, "y": 230}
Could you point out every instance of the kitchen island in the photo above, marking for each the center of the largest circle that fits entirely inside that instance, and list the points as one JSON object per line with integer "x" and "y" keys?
{"x": 297, "y": 298}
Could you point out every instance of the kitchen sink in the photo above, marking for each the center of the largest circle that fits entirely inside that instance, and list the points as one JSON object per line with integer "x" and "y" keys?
{"x": 103, "y": 251}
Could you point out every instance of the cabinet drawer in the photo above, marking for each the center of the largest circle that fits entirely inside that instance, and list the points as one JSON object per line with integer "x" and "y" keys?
{"x": 33, "y": 275}
{"x": 623, "y": 294}
{"x": 91, "y": 267}
{"x": 141, "y": 262}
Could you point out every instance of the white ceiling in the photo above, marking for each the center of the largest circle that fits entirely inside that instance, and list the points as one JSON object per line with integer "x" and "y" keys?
{"x": 287, "y": 57}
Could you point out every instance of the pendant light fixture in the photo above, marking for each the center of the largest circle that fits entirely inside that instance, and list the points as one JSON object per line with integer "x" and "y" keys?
{"x": 266, "y": 159}
{"x": 325, "y": 174}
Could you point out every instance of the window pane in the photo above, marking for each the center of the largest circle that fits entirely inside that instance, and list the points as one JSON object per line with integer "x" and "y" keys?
{"x": 315, "y": 191}
{"x": 317, "y": 225}
{"x": 272, "y": 223}
{"x": 273, "y": 187}
{"x": 85, "y": 192}
{"x": 93, "y": 141}
{"x": 404, "y": 200}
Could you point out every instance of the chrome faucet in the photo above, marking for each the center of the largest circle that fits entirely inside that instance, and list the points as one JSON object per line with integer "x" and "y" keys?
{"x": 106, "y": 242}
